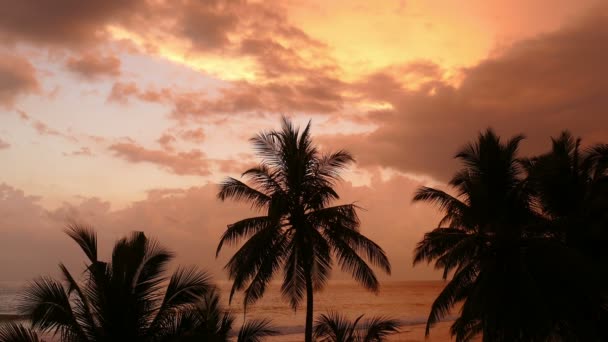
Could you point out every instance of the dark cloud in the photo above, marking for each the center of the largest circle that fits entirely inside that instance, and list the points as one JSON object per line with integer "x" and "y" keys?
{"x": 317, "y": 95}
{"x": 207, "y": 23}
{"x": 91, "y": 66}
{"x": 17, "y": 77}
{"x": 537, "y": 87}
{"x": 62, "y": 22}
{"x": 321, "y": 95}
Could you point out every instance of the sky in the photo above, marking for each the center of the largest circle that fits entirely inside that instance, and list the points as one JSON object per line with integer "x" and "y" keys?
{"x": 126, "y": 114}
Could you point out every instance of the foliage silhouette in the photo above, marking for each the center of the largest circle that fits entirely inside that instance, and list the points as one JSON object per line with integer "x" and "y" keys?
{"x": 126, "y": 299}
{"x": 208, "y": 321}
{"x": 333, "y": 327}
{"x": 509, "y": 261}
{"x": 299, "y": 230}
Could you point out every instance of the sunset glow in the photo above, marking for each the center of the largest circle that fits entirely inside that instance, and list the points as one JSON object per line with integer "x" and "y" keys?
{"x": 126, "y": 114}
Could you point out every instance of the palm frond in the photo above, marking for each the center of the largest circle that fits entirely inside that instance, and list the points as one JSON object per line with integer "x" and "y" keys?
{"x": 242, "y": 230}
{"x": 294, "y": 280}
{"x": 330, "y": 165}
{"x": 151, "y": 272}
{"x": 232, "y": 188}
{"x": 82, "y": 304}
{"x": 453, "y": 208}
{"x": 185, "y": 289}
{"x": 267, "y": 180}
{"x": 334, "y": 327}
{"x": 269, "y": 263}
{"x": 256, "y": 330}
{"x": 436, "y": 243}
{"x": 378, "y": 328}
{"x": 350, "y": 262}
{"x": 86, "y": 238}
{"x": 13, "y": 332}
{"x": 341, "y": 223}
{"x": 47, "y": 305}
{"x": 244, "y": 264}
{"x": 446, "y": 299}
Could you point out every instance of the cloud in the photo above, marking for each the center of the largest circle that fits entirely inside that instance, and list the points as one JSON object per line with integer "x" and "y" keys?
{"x": 62, "y": 22}
{"x": 190, "y": 222}
{"x": 92, "y": 66}
{"x": 165, "y": 141}
{"x": 196, "y": 135}
{"x": 192, "y": 162}
{"x": 316, "y": 95}
{"x": 83, "y": 151}
{"x": 23, "y": 115}
{"x": 538, "y": 87}
{"x": 17, "y": 77}
{"x": 4, "y": 144}
{"x": 44, "y": 129}
{"x": 173, "y": 135}
{"x": 122, "y": 92}
{"x": 207, "y": 23}
{"x": 24, "y": 222}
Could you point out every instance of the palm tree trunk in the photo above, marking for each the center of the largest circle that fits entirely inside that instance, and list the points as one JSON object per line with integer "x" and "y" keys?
{"x": 309, "y": 307}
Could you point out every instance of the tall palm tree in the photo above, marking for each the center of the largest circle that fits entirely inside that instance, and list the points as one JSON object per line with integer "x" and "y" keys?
{"x": 570, "y": 188}
{"x": 298, "y": 231}
{"x": 508, "y": 274}
{"x": 126, "y": 299}
{"x": 334, "y": 327}
{"x": 476, "y": 238}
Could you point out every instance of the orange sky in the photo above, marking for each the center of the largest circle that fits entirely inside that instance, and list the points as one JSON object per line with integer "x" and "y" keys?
{"x": 126, "y": 113}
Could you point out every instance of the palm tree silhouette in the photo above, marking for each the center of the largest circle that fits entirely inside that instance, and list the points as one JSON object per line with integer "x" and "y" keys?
{"x": 570, "y": 190}
{"x": 299, "y": 231}
{"x": 515, "y": 277}
{"x": 127, "y": 299}
{"x": 478, "y": 237}
{"x": 333, "y": 327}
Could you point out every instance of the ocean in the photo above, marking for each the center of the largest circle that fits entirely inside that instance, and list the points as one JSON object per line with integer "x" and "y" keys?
{"x": 408, "y": 301}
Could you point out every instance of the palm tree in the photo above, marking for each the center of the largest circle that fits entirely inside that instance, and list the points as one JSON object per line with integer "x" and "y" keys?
{"x": 478, "y": 237}
{"x": 334, "y": 327}
{"x": 127, "y": 299}
{"x": 298, "y": 231}
{"x": 570, "y": 188}
{"x": 508, "y": 272}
